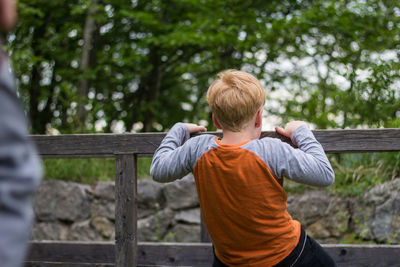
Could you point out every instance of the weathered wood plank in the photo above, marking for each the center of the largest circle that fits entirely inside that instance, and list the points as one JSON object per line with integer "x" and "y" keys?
{"x": 175, "y": 254}
{"x": 365, "y": 255}
{"x": 72, "y": 252}
{"x": 106, "y": 145}
{"x": 357, "y": 140}
{"x": 170, "y": 254}
{"x": 96, "y": 145}
{"x": 125, "y": 210}
{"x": 67, "y": 264}
{"x": 194, "y": 254}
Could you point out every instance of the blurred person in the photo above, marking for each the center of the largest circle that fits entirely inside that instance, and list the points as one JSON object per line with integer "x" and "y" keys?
{"x": 20, "y": 169}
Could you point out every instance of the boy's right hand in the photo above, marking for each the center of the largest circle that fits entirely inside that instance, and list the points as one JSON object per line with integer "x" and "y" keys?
{"x": 289, "y": 128}
{"x": 194, "y": 128}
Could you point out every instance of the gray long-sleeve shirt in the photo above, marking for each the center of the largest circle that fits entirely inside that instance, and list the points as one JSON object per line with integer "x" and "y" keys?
{"x": 20, "y": 173}
{"x": 177, "y": 156}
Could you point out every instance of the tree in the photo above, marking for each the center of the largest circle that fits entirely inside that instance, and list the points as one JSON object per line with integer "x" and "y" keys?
{"x": 345, "y": 65}
{"x": 45, "y": 59}
{"x": 148, "y": 64}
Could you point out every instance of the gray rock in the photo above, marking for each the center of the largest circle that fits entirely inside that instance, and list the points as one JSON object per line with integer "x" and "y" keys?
{"x": 155, "y": 227}
{"x": 104, "y": 227}
{"x": 105, "y": 190}
{"x": 325, "y": 217}
{"x": 183, "y": 233}
{"x": 383, "y": 192}
{"x": 191, "y": 216}
{"x": 395, "y": 235}
{"x": 318, "y": 231}
{"x": 308, "y": 207}
{"x": 83, "y": 231}
{"x": 49, "y": 231}
{"x": 150, "y": 197}
{"x": 181, "y": 194}
{"x": 377, "y": 215}
{"x": 382, "y": 222}
{"x": 337, "y": 217}
{"x": 170, "y": 212}
{"x": 361, "y": 214}
{"x": 63, "y": 201}
{"x": 103, "y": 208}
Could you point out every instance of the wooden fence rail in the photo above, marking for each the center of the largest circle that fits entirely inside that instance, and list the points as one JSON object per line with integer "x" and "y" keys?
{"x": 126, "y": 251}
{"x": 107, "y": 145}
{"x": 62, "y": 254}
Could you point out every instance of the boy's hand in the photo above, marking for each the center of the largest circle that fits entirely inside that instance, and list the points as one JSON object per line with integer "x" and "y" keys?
{"x": 194, "y": 128}
{"x": 289, "y": 128}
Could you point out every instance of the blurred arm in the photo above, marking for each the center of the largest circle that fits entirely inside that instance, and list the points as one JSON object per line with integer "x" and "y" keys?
{"x": 20, "y": 174}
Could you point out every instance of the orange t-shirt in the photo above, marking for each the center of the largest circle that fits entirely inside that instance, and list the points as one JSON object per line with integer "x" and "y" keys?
{"x": 244, "y": 208}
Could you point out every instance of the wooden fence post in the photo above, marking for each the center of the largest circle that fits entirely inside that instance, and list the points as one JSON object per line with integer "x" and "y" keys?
{"x": 125, "y": 210}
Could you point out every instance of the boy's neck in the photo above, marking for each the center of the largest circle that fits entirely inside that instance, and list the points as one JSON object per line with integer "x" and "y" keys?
{"x": 251, "y": 131}
{"x": 234, "y": 138}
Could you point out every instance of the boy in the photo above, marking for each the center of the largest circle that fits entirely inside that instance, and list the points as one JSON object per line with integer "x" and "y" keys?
{"x": 239, "y": 177}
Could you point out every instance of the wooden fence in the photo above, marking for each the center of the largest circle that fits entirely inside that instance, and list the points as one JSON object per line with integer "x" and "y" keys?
{"x": 126, "y": 251}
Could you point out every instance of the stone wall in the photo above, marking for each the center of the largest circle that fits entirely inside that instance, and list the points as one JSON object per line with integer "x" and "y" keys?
{"x": 170, "y": 212}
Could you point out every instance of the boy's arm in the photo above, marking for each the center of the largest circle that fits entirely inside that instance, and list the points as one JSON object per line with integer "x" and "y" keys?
{"x": 308, "y": 164}
{"x": 173, "y": 159}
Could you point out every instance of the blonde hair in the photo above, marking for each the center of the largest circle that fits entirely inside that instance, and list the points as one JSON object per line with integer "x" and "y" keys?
{"x": 234, "y": 98}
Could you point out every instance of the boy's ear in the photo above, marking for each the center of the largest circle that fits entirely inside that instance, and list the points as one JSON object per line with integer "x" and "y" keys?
{"x": 259, "y": 118}
{"x": 216, "y": 123}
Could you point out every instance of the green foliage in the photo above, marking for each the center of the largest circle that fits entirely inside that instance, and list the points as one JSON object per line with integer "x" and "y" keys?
{"x": 345, "y": 65}
{"x": 295, "y": 188}
{"x": 144, "y": 168}
{"x": 150, "y": 62}
{"x": 354, "y": 240}
{"x": 89, "y": 171}
{"x": 86, "y": 171}
{"x": 357, "y": 173}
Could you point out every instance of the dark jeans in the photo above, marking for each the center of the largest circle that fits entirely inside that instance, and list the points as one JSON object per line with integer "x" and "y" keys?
{"x": 307, "y": 253}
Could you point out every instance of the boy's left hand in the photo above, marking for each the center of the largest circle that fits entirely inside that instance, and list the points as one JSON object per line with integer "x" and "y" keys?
{"x": 194, "y": 128}
{"x": 290, "y": 128}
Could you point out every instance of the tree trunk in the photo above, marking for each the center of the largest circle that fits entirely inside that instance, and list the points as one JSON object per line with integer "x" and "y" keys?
{"x": 84, "y": 83}
{"x": 38, "y": 123}
{"x": 152, "y": 87}
{"x": 33, "y": 100}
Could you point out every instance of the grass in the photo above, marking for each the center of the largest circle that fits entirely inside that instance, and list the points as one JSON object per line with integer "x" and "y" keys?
{"x": 358, "y": 172}
{"x": 90, "y": 170}
{"x": 352, "y": 239}
{"x": 355, "y": 173}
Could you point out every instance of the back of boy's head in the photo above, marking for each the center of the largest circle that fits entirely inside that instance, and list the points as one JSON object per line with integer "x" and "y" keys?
{"x": 234, "y": 98}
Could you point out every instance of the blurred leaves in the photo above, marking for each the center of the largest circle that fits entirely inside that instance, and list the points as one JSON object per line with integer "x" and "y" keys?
{"x": 337, "y": 61}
